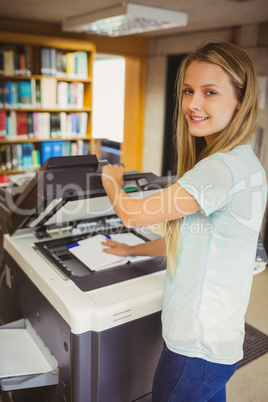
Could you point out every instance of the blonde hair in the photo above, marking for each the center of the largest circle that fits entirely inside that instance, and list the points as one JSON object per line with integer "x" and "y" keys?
{"x": 235, "y": 62}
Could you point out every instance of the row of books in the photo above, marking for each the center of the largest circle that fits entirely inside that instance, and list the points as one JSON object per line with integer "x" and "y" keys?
{"x": 46, "y": 93}
{"x": 19, "y": 157}
{"x": 58, "y": 63}
{"x": 42, "y": 125}
{"x": 15, "y": 60}
{"x": 62, "y": 95}
{"x": 26, "y": 157}
{"x": 63, "y": 148}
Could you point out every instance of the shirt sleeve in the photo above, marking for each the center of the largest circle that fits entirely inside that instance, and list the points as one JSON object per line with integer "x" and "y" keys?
{"x": 211, "y": 183}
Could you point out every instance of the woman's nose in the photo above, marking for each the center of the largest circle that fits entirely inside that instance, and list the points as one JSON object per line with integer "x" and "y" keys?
{"x": 196, "y": 102}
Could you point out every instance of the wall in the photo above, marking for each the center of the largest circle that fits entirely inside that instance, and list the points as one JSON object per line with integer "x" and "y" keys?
{"x": 252, "y": 38}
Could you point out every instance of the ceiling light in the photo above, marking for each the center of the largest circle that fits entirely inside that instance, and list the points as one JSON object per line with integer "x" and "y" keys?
{"x": 125, "y": 19}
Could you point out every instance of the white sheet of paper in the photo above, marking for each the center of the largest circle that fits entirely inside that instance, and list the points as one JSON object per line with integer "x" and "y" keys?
{"x": 19, "y": 354}
{"x": 90, "y": 251}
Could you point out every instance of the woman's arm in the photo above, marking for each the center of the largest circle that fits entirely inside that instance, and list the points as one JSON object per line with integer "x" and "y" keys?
{"x": 171, "y": 203}
{"x": 151, "y": 248}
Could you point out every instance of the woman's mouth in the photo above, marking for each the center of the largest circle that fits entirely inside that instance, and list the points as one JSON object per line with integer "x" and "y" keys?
{"x": 197, "y": 119}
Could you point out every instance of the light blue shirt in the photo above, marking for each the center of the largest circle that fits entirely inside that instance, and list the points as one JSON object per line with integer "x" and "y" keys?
{"x": 205, "y": 302}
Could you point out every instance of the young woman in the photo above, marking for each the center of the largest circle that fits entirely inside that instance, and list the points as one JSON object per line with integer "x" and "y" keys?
{"x": 212, "y": 215}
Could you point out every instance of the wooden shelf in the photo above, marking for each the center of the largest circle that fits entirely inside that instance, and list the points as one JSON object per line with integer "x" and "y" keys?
{"x": 39, "y": 77}
{"x": 85, "y": 109}
{"x": 16, "y": 171}
{"x": 18, "y": 141}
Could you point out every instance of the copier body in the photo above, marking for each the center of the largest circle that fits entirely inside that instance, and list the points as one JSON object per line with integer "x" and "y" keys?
{"x": 103, "y": 328}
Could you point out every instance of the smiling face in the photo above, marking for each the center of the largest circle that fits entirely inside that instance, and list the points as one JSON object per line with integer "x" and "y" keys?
{"x": 209, "y": 101}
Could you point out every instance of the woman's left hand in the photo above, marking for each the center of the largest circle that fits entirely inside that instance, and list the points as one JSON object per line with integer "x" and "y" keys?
{"x": 112, "y": 173}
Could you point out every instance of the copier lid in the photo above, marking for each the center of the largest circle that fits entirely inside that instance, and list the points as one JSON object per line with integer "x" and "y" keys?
{"x": 59, "y": 180}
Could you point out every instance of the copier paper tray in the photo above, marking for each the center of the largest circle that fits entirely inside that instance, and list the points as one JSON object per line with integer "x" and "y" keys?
{"x": 25, "y": 361}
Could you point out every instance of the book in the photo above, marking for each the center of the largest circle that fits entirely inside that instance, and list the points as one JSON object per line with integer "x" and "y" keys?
{"x": 45, "y": 61}
{"x": 2, "y": 94}
{"x": 74, "y": 148}
{"x": 79, "y": 95}
{"x": 14, "y": 155}
{"x": 37, "y": 94}
{"x": 55, "y": 129}
{"x": 22, "y": 125}
{"x": 36, "y": 159}
{"x": 19, "y": 156}
{"x": 44, "y": 125}
{"x": 61, "y": 64}
{"x": 3, "y": 125}
{"x": 3, "y": 157}
{"x": 81, "y": 65}
{"x": 46, "y": 151}
{"x": 25, "y": 94}
{"x": 8, "y": 157}
{"x": 62, "y": 95}
{"x": 9, "y": 93}
{"x": 70, "y": 64}
{"x": 63, "y": 124}
{"x": 35, "y": 125}
{"x": 15, "y": 94}
{"x": 33, "y": 92}
{"x": 83, "y": 124}
{"x": 12, "y": 126}
{"x": 27, "y": 159}
{"x": 48, "y": 92}
{"x": 57, "y": 148}
{"x": 52, "y": 61}
{"x": 30, "y": 128}
{"x": 1, "y": 60}
{"x": 90, "y": 251}
{"x": 66, "y": 148}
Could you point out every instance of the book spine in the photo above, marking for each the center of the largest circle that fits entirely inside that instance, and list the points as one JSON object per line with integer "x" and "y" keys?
{"x": 3, "y": 125}
{"x": 1, "y": 60}
{"x": 44, "y": 61}
{"x": 30, "y": 129}
{"x": 25, "y": 94}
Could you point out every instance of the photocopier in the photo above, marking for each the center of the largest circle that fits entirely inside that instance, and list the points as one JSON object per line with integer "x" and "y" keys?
{"x": 97, "y": 334}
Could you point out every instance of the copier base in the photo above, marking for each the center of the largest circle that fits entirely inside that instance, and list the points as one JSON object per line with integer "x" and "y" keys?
{"x": 115, "y": 365}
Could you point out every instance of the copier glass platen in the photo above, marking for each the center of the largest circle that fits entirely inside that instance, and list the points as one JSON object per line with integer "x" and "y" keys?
{"x": 102, "y": 328}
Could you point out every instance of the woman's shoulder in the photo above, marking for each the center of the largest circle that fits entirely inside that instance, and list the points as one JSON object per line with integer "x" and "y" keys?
{"x": 239, "y": 157}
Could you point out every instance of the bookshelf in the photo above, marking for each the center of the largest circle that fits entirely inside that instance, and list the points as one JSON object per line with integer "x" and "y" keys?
{"x": 45, "y": 99}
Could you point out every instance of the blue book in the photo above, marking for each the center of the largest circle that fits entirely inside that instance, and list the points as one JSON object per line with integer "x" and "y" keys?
{"x": 27, "y": 159}
{"x": 46, "y": 151}
{"x": 9, "y": 93}
{"x": 25, "y": 93}
{"x": 15, "y": 94}
{"x": 66, "y": 148}
{"x": 57, "y": 148}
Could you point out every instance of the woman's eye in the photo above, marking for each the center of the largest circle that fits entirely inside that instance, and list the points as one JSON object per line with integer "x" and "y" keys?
{"x": 210, "y": 93}
{"x": 187, "y": 91}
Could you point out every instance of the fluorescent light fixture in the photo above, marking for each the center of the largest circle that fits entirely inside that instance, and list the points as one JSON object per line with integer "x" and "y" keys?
{"x": 125, "y": 19}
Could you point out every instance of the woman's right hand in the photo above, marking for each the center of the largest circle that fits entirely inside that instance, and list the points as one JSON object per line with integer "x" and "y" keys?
{"x": 115, "y": 248}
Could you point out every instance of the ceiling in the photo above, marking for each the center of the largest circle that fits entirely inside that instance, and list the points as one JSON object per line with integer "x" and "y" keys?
{"x": 202, "y": 14}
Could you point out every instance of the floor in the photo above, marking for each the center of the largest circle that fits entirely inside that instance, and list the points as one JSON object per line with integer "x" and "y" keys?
{"x": 250, "y": 382}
